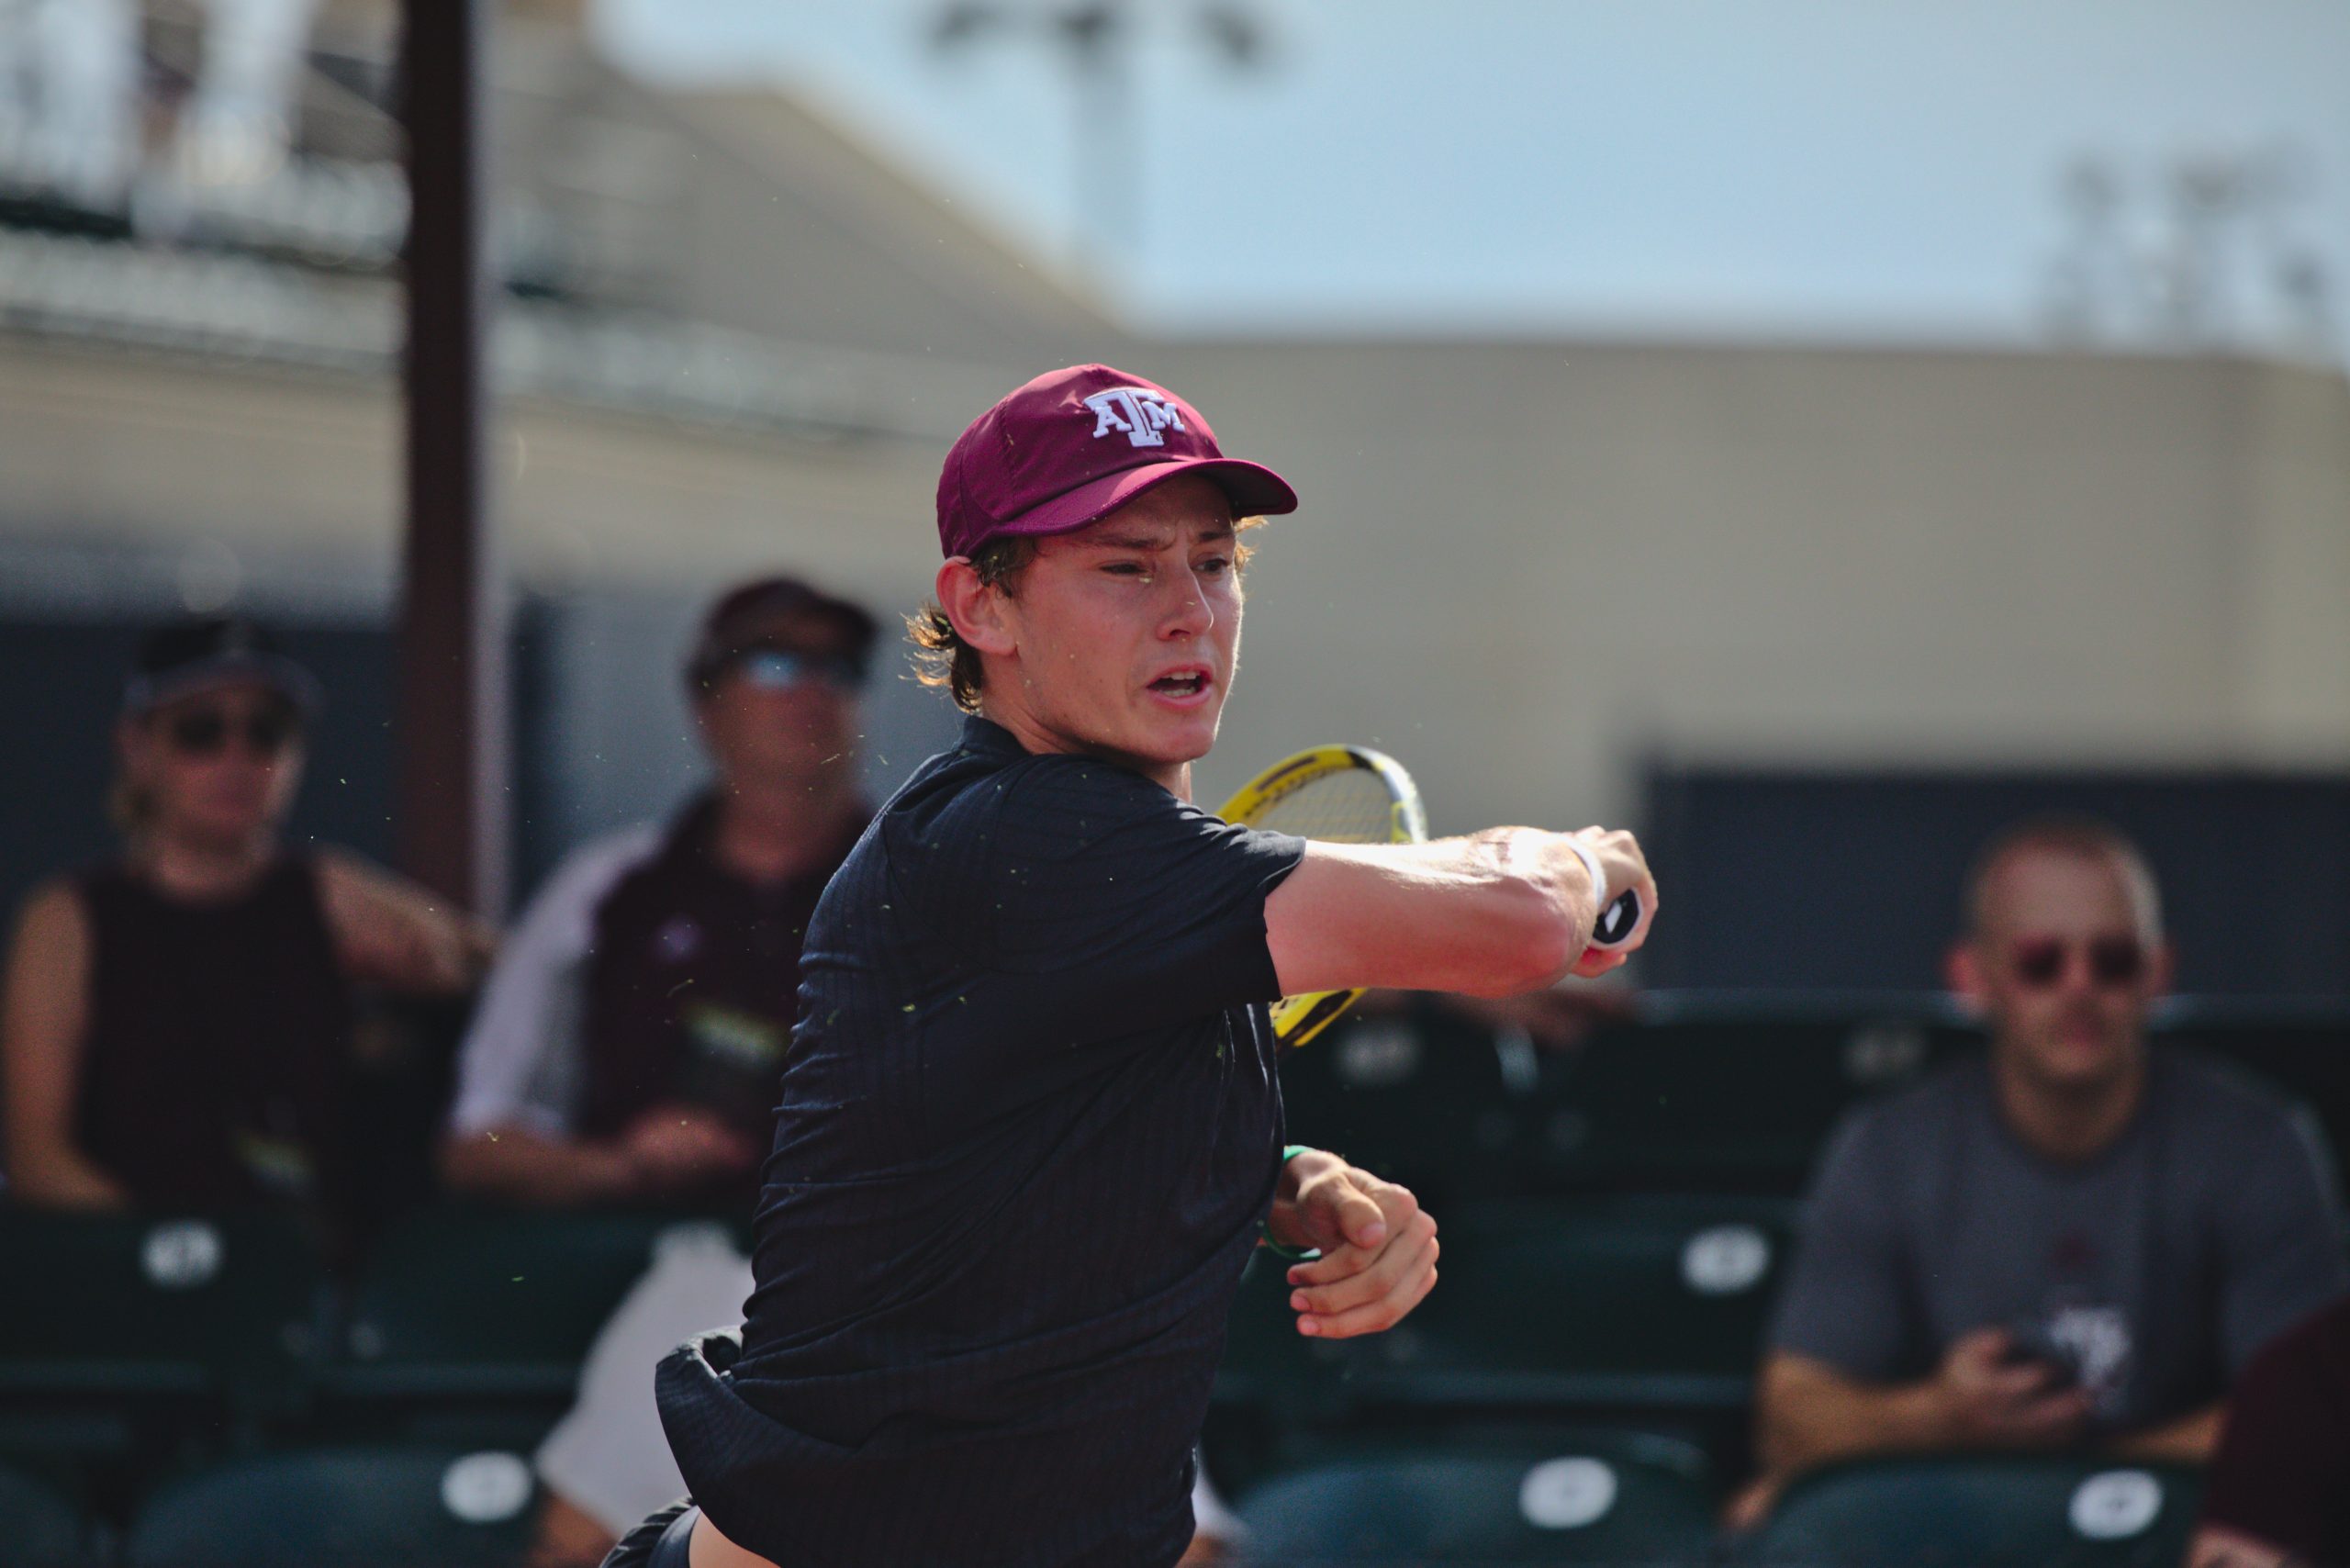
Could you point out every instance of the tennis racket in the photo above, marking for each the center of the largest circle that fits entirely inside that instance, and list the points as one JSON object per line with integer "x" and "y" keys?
{"x": 1347, "y": 794}
{"x": 1341, "y": 794}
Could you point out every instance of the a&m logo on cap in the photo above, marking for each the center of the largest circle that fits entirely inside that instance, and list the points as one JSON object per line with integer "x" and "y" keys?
{"x": 1138, "y": 413}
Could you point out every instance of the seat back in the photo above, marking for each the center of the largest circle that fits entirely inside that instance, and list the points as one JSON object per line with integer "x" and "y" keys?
{"x": 2307, "y": 1058}
{"x": 1653, "y": 1303}
{"x": 38, "y": 1528}
{"x": 1719, "y": 1103}
{"x": 354, "y": 1507}
{"x": 1984, "y": 1512}
{"x": 460, "y": 1303}
{"x": 1418, "y": 1095}
{"x": 1608, "y": 1498}
{"x": 111, "y": 1314}
{"x": 1273, "y": 1382}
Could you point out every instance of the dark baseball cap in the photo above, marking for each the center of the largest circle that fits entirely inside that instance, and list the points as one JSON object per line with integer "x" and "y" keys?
{"x": 186, "y": 657}
{"x": 743, "y": 617}
{"x": 1075, "y": 444}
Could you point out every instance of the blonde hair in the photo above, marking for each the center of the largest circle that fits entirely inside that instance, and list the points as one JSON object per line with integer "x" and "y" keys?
{"x": 941, "y": 656}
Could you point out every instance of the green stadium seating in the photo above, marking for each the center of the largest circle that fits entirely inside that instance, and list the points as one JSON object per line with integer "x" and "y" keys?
{"x": 113, "y": 1327}
{"x": 1621, "y": 1304}
{"x": 1273, "y": 1383}
{"x": 38, "y": 1528}
{"x": 1600, "y": 1498}
{"x": 1718, "y": 1101}
{"x": 2306, "y": 1056}
{"x": 470, "y": 1324}
{"x": 354, "y": 1507}
{"x": 1419, "y": 1095}
{"x": 1981, "y": 1512}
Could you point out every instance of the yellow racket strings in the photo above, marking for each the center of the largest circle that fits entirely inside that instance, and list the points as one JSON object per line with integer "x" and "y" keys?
{"x": 1348, "y": 805}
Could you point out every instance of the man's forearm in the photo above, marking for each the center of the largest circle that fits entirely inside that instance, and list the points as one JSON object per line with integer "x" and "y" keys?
{"x": 519, "y": 1166}
{"x": 59, "y": 1177}
{"x": 2218, "y": 1546}
{"x": 2190, "y": 1439}
{"x": 1809, "y": 1414}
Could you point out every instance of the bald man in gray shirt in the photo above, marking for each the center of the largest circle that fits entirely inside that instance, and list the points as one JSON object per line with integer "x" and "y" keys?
{"x": 2078, "y": 1241}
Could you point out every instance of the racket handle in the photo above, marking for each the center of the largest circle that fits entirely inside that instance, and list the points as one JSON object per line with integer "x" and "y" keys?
{"x": 1618, "y": 921}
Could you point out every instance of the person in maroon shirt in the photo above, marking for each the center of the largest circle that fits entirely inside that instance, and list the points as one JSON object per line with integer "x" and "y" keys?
{"x": 177, "y": 1024}
{"x": 2279, "y": 1493}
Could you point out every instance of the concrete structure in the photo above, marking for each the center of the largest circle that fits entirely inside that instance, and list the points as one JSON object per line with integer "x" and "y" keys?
{"x": 1526, "y": 567}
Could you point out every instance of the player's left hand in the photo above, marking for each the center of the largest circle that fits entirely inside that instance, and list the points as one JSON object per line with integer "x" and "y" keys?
{"x": 1378, "y": 1247}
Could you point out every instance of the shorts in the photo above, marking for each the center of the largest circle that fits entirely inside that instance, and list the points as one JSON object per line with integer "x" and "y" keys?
{"x": 662, "y": 1541}
{"x": 608, "y": 1457}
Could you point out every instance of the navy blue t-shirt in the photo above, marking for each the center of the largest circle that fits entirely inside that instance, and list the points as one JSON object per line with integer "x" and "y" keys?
{"x": 1029, "y": 1127}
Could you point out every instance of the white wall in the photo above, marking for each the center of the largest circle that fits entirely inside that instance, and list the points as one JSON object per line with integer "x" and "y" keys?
{"x": 1523, "y": 569}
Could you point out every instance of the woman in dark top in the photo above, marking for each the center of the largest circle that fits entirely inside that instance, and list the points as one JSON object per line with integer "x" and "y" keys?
{"x": 176, "y": 1025}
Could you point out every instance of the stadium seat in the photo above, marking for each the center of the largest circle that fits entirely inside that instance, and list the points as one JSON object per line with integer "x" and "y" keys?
{"x": 357, "y": 1508}
{"x": 1983, "y": 1512}
{"x": 1624, "y": 1305}
{"x": 2307, "y": 1057}
{"x": 1418, "y": 1095}
{"x": 1717, "y": 1102}
{"x": 38, "y": 1528}
{"x": 471, "y": 1323}
{"x": 114, "y": 1327}
{"x": 1273, "y": 1384}
{"x": 1604, "y": 1498}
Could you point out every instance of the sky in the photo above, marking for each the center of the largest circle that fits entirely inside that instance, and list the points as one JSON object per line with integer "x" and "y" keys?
{"x": 1792, "y": 169}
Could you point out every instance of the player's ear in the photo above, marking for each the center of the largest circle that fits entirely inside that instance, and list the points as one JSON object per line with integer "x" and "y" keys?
{"x": 975, "y": 609}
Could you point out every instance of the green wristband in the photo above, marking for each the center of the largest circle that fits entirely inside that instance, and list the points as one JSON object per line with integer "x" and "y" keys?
{"x": 1288, "y": 1254}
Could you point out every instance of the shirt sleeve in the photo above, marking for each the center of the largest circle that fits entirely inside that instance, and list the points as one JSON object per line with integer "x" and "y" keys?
{"x": 1842, "y": 1303}
{"x": 1116, "y": 902}
{"x": 520, "y": 1055}
{"x": 2278, "y": 1474}
{"x": 2279, "y": 1238}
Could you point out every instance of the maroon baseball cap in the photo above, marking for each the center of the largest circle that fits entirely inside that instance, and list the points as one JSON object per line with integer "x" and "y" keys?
{"x": 1075, "y": 444}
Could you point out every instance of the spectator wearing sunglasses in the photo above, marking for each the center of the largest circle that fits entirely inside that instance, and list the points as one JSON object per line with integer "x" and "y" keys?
{"x": 629, "y": 1049}
{"x": 177, "y": 1023}
{"x": 2075, "y": 1242}
{"x": 628, "y": 1044}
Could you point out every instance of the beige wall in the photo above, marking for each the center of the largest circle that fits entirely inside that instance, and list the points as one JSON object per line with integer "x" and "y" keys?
{"x": 1528, "y": 568}
{"x": 1523, "y": 569}
{"x": 285, "y": 468}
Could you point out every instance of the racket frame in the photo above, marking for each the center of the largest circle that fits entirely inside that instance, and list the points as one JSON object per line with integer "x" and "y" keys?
{"x": 1297, "y": 1019}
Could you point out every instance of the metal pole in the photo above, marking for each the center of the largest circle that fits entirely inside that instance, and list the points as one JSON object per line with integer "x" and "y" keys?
{"x": 451, "y": 801}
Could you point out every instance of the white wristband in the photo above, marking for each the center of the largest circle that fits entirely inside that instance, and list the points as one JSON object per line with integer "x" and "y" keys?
{"x": 1598, "y": 877}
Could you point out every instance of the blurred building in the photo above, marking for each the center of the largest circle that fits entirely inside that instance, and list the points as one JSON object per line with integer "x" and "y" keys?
{"x": 734, "y": 338}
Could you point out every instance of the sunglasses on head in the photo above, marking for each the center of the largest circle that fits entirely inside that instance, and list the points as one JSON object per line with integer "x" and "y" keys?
{"x": 206, "y": 731}
{"x": 2040, "y": 962}
{"x": 779, "y": 669}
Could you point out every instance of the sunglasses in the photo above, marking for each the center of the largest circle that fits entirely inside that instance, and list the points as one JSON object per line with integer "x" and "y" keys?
{"x": 2040, "y": 962}
{"x": 781, "y": 669}
{"x": 206, "y": 731}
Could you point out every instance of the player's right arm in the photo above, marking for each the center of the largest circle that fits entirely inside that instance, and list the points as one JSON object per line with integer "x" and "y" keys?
{"x": 42, "y": 1022}
{"x": 1496, "y": 914}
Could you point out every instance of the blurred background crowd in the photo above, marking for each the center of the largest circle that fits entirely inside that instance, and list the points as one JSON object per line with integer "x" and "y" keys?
{"x": 1902, "y": 468}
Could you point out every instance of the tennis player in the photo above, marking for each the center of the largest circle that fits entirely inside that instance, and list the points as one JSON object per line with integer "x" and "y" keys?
{"x": 1029, "y": 1130}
